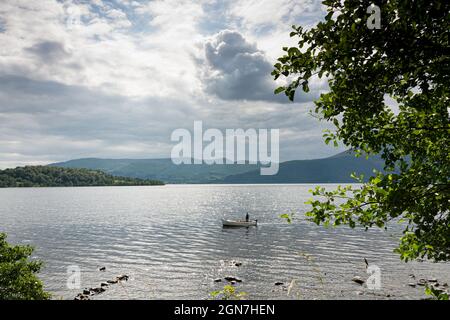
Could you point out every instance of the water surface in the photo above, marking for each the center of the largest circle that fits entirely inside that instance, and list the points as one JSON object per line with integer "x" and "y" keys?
{"x": 170, "y": 240}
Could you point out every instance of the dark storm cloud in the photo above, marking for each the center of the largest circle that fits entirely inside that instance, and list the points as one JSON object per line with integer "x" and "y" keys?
{"x": 237, "y": 70}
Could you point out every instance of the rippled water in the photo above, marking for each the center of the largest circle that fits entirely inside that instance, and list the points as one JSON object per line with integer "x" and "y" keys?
{"x": 170, "y": 240}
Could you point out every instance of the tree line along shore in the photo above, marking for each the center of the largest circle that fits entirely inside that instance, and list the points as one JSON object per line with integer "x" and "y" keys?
{"x": 45, "y": 176}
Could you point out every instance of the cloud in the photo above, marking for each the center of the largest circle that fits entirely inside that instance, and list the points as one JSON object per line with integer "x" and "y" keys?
{"x": 268, "y": 15}
{"x": 236, "y": 69}
{"x": 49, "y": 51}
{"x": 53, "y": 121}
{"x": 2, "y": 25}
{"x": 114, "y": 79}
{"x": 46, "y": 121}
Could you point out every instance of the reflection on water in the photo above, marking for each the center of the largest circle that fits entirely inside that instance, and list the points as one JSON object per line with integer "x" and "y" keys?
{"x": 170, "y": 240}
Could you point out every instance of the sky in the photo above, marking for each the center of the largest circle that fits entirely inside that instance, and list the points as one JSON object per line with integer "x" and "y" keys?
{"x": 113, "y": 79}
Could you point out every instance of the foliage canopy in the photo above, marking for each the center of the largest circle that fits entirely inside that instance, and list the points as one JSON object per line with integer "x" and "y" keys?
{"x": 18, "y": 280}
{"x": 44, "y": 176}
{"x": 408, "y": 61}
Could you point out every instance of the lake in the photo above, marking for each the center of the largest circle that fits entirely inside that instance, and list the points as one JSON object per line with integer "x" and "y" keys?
{"x": 170, "y": 241}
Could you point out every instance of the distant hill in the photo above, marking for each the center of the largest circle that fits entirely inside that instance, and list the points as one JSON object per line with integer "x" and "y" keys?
{"x": 333, "y": 169}
{"x": 44, "y": 176}
{"x": 160, "y": 169}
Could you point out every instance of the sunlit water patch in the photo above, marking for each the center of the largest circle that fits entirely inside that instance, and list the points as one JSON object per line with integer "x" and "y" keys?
{"x": 170, "y": 241}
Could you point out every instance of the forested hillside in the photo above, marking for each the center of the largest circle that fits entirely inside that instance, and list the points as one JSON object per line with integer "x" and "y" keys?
{"x": 44, "y": 176}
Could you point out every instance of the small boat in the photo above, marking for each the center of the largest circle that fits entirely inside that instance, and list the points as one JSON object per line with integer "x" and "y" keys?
{"x": 239, "y": 223}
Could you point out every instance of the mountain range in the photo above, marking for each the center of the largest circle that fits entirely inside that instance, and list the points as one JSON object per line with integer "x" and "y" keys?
{"x": 335, "y": 169}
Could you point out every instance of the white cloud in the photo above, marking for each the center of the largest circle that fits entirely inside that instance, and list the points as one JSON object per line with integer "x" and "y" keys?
{"x": 106, "y": 79}
{"x": 105, "y": 53}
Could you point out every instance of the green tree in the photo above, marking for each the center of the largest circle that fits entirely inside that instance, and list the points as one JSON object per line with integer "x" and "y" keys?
{"x": 408, "y": 61}
{"x": 18, "y": 280}
{"x": 46, "y": 176}
{"x": 227, "y": 293}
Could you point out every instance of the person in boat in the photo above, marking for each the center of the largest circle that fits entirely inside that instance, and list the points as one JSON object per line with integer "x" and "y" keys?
{"x": 247, "y": 217}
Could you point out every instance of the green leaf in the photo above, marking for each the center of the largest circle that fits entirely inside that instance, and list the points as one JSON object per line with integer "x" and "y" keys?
{"x": 279, "y": 90}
